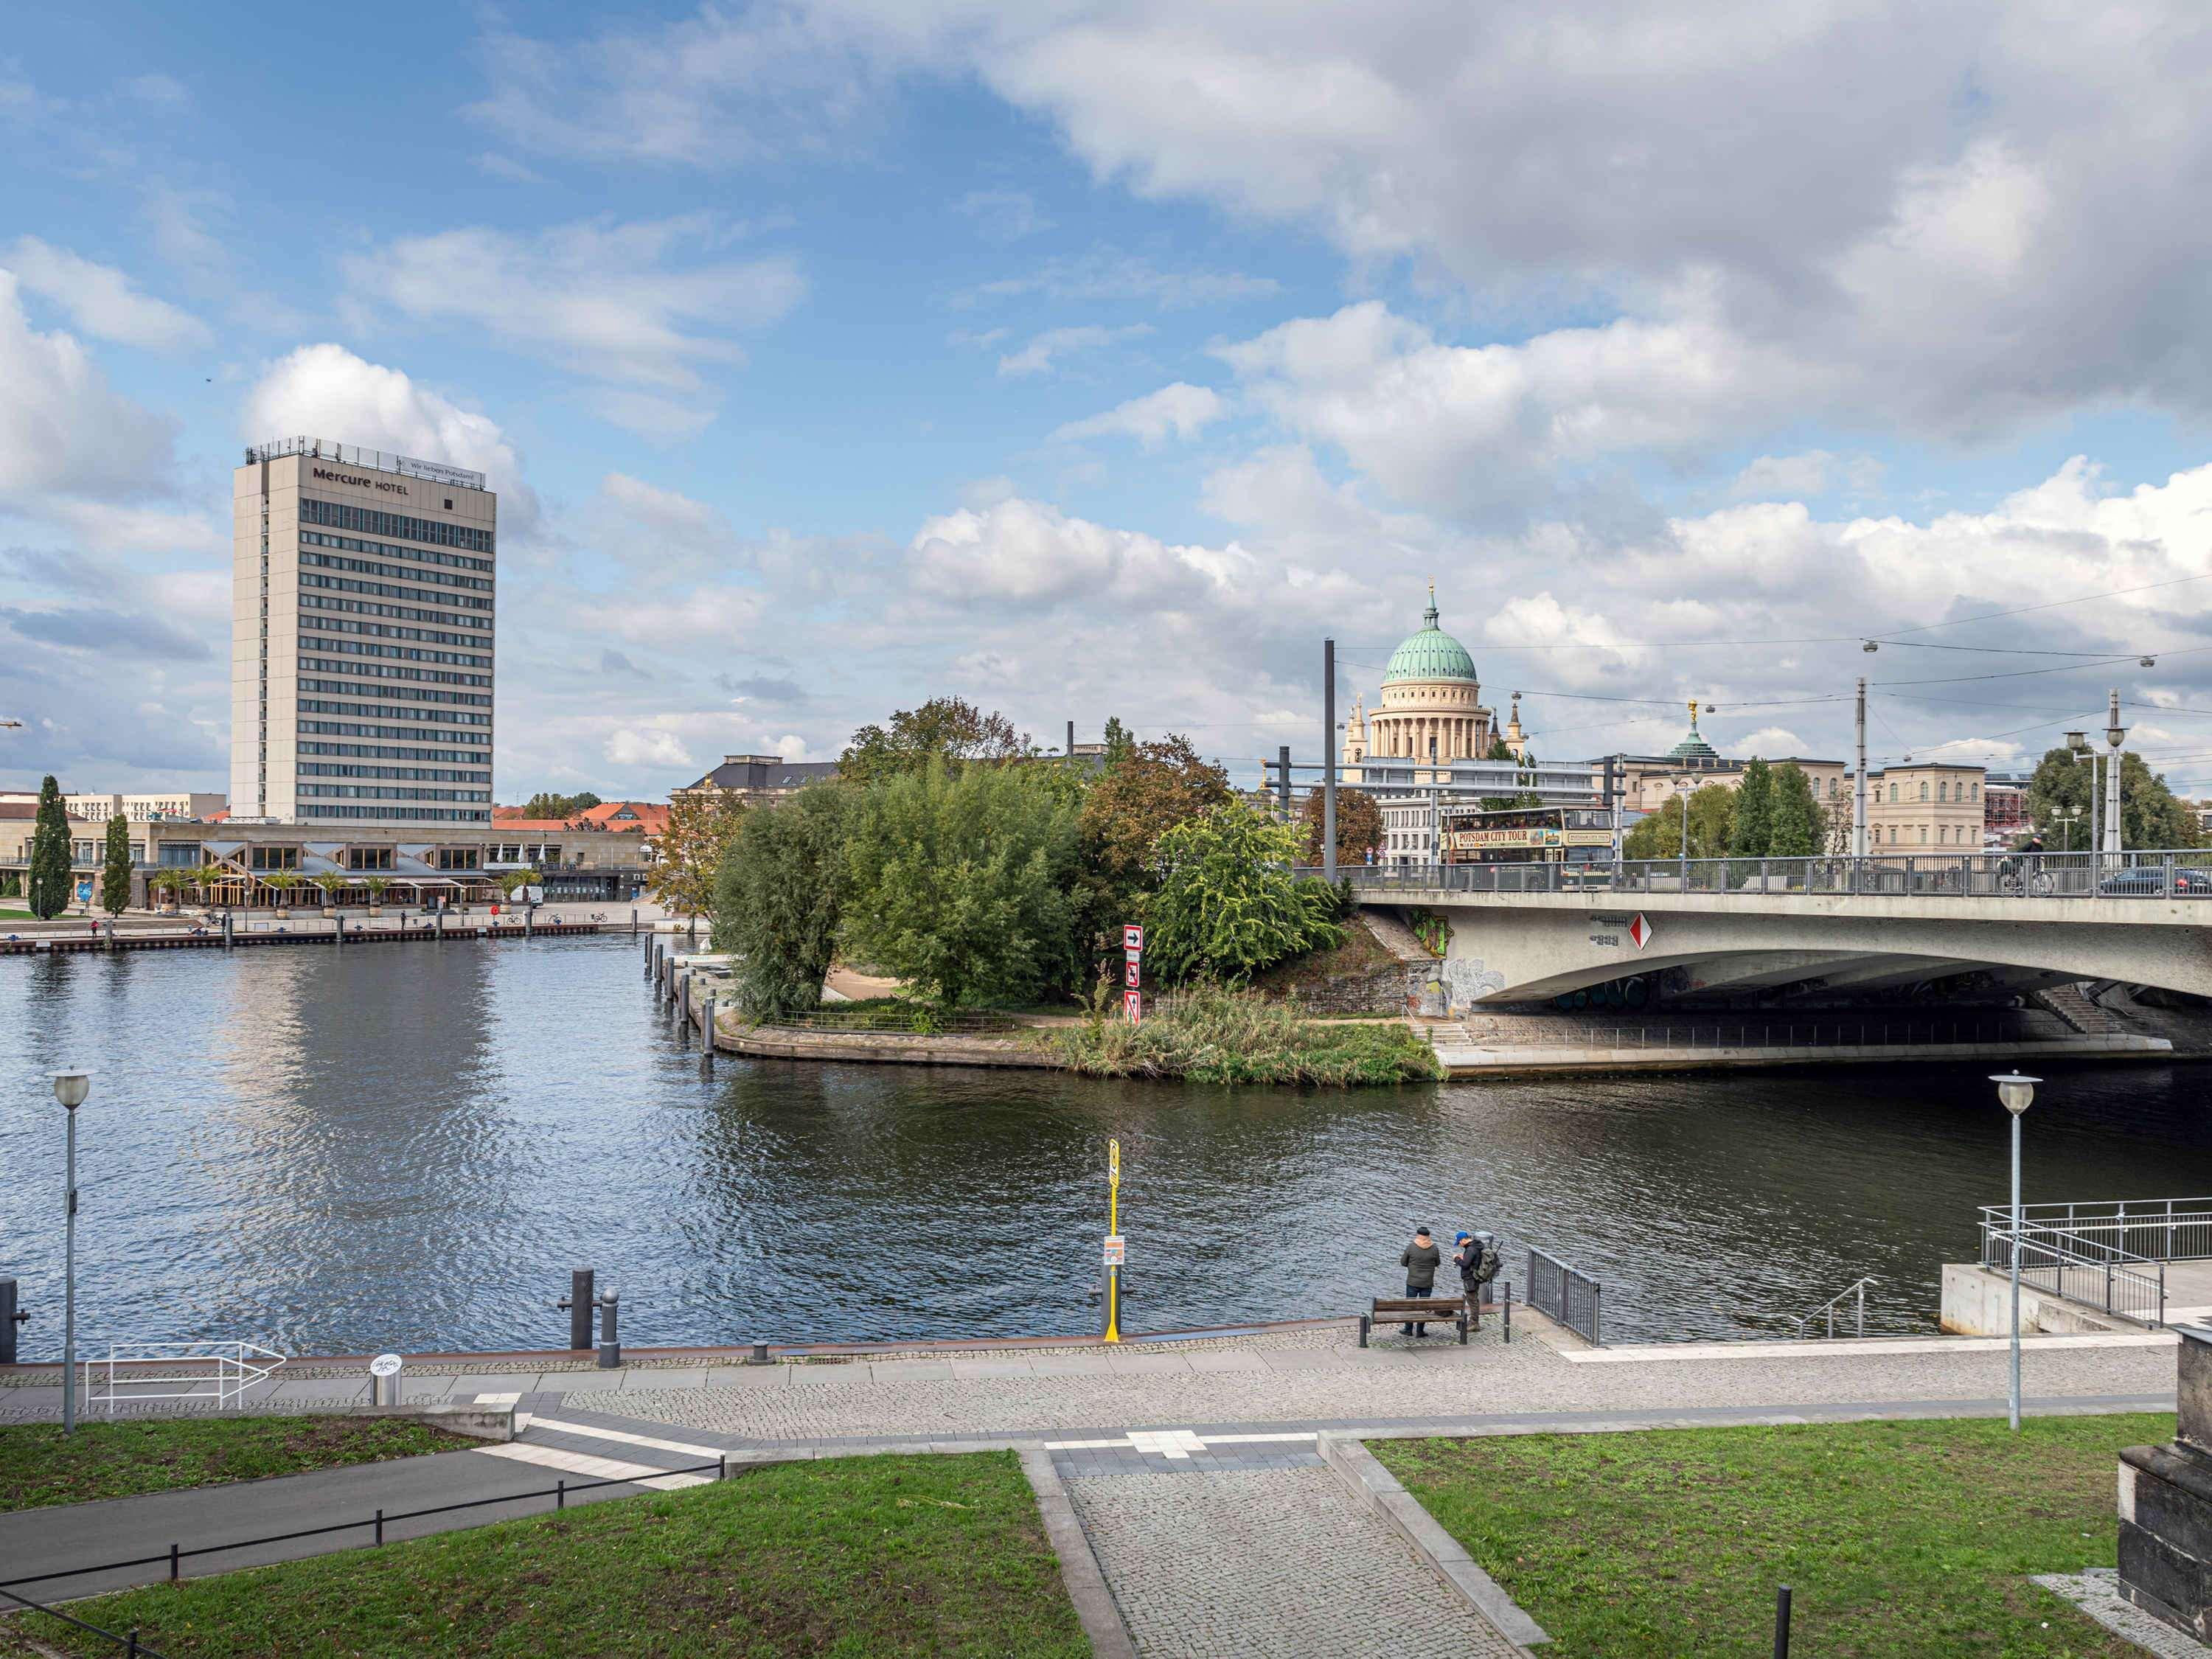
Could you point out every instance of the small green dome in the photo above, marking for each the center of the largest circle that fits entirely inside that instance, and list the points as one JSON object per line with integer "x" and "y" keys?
{"x": 1430, "y": 654}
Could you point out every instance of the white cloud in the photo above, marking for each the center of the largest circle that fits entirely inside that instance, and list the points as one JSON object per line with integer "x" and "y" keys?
{"x": 1465, "y": 427}
{"x": 631, "y": 746}
{"x": 1814, "y": 472}
{"x": 108, "y": 527}
{"x": 790, "y": 747}
{"x": 1004, "y": 215}
{"x": 1182, "y": 410}
{"x": 1044, "y": 350}
{"x": 63, "y": 428}
{"x": 1027, "y": 552}
{"x": 326, "y": 392}
{"x": 1774, "y": 742}
{"x": 607, "y": 299}
{"x": 1109, "y": 274}
{"x": 101, "y": 299}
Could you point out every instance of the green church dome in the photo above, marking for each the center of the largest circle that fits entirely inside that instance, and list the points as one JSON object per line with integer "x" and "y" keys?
{"x": 1693, "y": 747}
{"x": 1430, "y": 654}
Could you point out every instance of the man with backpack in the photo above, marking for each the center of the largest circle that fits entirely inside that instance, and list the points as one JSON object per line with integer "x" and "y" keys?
{"x": 1477, "y": 1259}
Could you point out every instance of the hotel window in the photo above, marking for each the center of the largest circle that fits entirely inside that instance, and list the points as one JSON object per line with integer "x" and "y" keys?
{"x": 368, "y": 858}
{"x": 181, "y": 856}
{"x": 456, "y": 858}
{"x": 274, "y": 858}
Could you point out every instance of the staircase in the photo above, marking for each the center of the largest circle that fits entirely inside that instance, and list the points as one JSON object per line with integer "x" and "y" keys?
{"x": 2071, "y": 1003}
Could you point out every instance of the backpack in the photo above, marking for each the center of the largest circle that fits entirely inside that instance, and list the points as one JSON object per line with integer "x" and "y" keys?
{"x": 1486, "y": 1267}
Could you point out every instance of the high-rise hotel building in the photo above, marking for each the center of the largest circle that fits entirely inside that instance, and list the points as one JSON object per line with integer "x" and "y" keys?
{"x": 361, "y": 593}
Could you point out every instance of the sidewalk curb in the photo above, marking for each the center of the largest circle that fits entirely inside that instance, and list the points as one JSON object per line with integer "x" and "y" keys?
{"x": 1101, "y": 1615}
{"x": 1379, "y": 1489}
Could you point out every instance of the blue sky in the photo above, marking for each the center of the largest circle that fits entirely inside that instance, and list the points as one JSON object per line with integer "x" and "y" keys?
{"x": 1101, "y": 358}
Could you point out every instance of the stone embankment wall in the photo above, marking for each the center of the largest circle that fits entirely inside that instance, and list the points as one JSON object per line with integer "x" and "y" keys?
{"x": 1381, "y": 990}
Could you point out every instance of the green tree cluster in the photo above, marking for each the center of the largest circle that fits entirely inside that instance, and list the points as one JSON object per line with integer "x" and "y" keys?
{"x": 1228, "y": 906}
{"x": 1358, "y": 827}
{"x": 950, "y": 731}
{"x": 1772, "y": 813}
{"x": 980, "y": 880}
{"x": 962, "y": 882}
{"x": 2150, "y": 815}
{"x": 547, "y": 805}
{"x": 115, "y": 867}
{"x": 49, "y": 885}
{"x": 1712, "y": 826}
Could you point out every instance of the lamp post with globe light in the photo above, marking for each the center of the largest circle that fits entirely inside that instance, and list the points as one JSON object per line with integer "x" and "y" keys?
{"x": 70, "y": 1087}
{"x": 2015, "y": 1092}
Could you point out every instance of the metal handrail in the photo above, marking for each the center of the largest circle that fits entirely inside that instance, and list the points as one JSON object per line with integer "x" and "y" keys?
{"x": 1811, "y": 1033}
{"x": 236, "y": 1367}
{"x": 2138, "y": 1229}
{"x": 1566, "y": 1294}
{"x": 2074, "y": 1268}
{"x": 2149, "y": 873}
{"x": 1857, "y": 1288}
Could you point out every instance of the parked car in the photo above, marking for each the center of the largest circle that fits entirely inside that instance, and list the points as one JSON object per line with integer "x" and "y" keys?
{"x": 2148, "y": 881}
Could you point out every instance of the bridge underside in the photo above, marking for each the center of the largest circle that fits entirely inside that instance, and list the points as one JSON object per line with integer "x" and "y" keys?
{"x": 1508, "y": 947}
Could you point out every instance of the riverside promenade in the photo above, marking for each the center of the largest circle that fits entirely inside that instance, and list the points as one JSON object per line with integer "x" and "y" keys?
{"x": 1198, "y": 1480}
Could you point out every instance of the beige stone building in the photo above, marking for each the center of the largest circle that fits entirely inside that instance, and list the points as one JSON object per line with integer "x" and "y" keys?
{"x": 1924, "y": 806}
{"x": 1651, "y": 780}
{"x": 362, "y": 600}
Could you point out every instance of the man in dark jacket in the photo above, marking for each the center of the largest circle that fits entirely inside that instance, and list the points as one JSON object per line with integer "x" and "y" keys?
{"x": 1476, "y": 1258}
{"x": 1420, "y": 1260}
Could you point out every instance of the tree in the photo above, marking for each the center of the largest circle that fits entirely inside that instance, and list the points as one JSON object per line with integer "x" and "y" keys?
{"x": 701, "y": 825}
{"x": 950, "y": 730}
{"x": 1145, "y": 789}
{"x": 50, "y": 854}
{"x": 115, "y": 868}
{"x": 547, "y": 805}
{"x": 1228, "y": 907}
{"x": 1712, "y": 827}
{"x": 779, "y": 897}
{"x": 962, "y": 882}
{"x": 2150, "y": 817}
{"x": 1754, "y": 812}
{"x": 1794, "y": 830}
{"x": 1358, "y": 827}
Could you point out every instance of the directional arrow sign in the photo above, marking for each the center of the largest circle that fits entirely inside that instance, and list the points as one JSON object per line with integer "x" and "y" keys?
{"x": 1639, "y": 931}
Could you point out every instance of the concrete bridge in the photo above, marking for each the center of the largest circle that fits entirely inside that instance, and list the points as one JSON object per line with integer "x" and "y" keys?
{"x": 1876, "y": 927}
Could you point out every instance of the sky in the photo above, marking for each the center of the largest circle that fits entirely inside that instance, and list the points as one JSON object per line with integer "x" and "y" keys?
{"x": 1103, "y": 358}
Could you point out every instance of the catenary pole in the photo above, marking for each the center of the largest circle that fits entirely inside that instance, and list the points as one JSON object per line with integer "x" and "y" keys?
{"x": 1328, "y": 759}
{"x": 1859, "y": 783}
{"x": 2113, "y": 737}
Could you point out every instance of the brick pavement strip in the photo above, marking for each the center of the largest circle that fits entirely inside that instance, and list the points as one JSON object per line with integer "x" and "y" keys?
{"x": 1253, "y": 1564}
{"x": 1312, "y": 1385}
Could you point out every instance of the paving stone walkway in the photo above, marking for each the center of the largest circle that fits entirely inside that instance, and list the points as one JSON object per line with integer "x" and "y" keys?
{"x": 1230, "y": 1562}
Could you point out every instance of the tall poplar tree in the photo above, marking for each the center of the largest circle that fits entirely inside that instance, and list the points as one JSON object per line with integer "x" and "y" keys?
{"x": 1754, "y": 812}
{"x": 115, "y": 872}
{"x": 1796, "y": 824}
{"x": 49, "y": 892}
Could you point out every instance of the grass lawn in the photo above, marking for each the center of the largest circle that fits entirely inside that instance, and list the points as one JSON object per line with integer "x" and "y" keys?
{"x": 858, "y": 1556}
{"x": 119, "y": 1460}
{"x": 1897, "y": 1539}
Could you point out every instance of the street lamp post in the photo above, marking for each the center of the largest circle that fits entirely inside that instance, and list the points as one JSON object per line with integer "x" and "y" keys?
{"x": 70, "y": 1089}
{"x": 2015, "y": 1092}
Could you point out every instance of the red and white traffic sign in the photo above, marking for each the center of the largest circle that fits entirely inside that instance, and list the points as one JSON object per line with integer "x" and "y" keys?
{"x": 1639, "y": 931}
{"x": 1132, "y": 972}
{"x": 1133, "y": 937}
{"x": 1133, "y": 1004}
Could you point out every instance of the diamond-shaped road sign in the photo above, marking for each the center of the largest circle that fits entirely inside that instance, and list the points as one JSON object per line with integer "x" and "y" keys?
{"x": 1639, "y": 931}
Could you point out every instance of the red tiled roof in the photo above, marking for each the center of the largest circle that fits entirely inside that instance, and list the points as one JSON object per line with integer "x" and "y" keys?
{"x": 19, "y": 809}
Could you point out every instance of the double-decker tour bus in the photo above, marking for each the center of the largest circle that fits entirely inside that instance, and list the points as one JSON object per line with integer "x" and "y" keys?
{"x": 1525, "y": 834}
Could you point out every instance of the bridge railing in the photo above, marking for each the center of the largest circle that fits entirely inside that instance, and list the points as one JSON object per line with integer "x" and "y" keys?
{"x": 2075, "y": 1266}
{"x": 2161, "y": 874}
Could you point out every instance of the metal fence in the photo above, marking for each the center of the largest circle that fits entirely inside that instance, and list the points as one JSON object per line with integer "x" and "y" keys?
{"x": 2152, "y": 875}
{"x": 2145, "y": 1229}
{"x": 131, "y": 1646}
{"x": 1738, "y": 1033}
{"x": 2075, "y": 1266}
{"x": 1564, "y": 1293}
{"x": 177, "y": 1555}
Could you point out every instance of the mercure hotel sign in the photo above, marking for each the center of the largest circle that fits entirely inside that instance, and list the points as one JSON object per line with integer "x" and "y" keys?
{"x": 359, "y": 482}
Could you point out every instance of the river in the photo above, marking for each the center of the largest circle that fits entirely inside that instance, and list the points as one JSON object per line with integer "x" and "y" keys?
{"x": 409, "y": 1147}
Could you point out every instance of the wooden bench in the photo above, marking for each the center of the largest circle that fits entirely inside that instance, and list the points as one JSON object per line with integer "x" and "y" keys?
{"x": 1453, "y": 1310}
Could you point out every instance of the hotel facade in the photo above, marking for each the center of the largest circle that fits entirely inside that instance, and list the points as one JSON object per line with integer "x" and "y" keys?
{"x": 363, "y": 596}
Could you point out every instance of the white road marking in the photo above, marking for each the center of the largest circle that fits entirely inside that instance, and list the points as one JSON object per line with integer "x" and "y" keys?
{"x": 1173, "y": 1443}
{"x": 705, "y": 1454}
{"x": 599, "y": 1468}
{"x": 498, "y": 1399}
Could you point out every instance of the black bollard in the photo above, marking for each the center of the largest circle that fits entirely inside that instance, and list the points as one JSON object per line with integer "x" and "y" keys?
{"x": 10, "y": 1318}
{"x": 1782, "y": 1622}
{"x": 706, "y": 1038}
{"x": 610, "y": 1338}
{"x": 1507, "y": 1308}
{"x": 578, "y": 1302}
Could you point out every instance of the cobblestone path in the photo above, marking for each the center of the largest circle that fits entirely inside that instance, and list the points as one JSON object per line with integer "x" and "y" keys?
{"x": 1258, "y": 1562}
